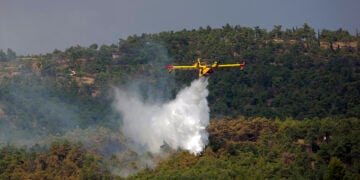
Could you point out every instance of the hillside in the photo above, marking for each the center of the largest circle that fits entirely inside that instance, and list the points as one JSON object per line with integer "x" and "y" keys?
{"x": 321, "y": 70}
{"x": 303, "y": 84}
{"x": 259, "y": 148}
{"x": 264, "y": 149}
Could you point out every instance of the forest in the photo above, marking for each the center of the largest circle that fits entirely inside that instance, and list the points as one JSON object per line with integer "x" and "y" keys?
{"x": 292, "y": 113}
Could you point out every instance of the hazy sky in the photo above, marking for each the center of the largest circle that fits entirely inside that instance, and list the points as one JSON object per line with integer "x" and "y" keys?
{"x": 40, "y": 26}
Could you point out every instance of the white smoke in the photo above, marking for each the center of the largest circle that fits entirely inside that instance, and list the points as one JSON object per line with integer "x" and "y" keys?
{"x": 180, "y": 123}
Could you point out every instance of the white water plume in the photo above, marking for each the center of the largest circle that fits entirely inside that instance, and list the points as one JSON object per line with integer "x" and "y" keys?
{"x": 180, "y": 123}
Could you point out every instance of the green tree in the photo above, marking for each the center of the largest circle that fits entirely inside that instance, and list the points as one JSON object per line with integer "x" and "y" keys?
{"x": 3, "y": 56}
{"x": 276, "y": 32}
{"x": 336, "y": 169}
{"x": 94, "y": 46}
{"x": 11, "y": 55}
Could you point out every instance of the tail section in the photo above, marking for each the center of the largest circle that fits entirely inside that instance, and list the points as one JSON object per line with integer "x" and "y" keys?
{"x": 242, "y": 65}
{"x": 170, "y": 68}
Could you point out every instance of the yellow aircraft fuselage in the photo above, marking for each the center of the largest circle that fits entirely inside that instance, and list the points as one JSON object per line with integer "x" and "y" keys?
{"x": 204, "y": 70}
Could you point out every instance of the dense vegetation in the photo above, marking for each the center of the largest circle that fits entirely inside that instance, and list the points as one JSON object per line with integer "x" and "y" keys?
{"x": 239, "y": 148}
{"x": 265, "y": 149}
{"x": 61, "y": 160}
{"x": 305, "y": 84}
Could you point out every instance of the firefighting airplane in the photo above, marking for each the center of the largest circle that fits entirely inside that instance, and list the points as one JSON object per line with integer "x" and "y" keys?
{"x": 205, "y": 69}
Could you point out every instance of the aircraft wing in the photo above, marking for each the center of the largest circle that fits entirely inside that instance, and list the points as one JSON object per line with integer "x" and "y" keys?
{"x": 180, "y": 67}
{"x": 171, "y": 68}
{"x": 241, "y": 65}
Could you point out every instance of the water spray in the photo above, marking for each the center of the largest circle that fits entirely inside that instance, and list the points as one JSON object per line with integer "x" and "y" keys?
{"x": 180, "y": 123}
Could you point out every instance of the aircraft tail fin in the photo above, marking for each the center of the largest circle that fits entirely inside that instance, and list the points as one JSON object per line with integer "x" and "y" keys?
{"x": 170, "y": 68}
{"x": 242, "y": 65}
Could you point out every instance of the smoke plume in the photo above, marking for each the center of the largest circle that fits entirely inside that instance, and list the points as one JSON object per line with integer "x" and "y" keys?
{"x": 180, "y": 123}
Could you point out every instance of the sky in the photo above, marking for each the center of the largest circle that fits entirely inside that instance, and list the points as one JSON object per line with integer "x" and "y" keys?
{"x": 32, "y": 27}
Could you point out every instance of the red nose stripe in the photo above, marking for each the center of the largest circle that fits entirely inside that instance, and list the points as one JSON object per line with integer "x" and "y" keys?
{"x": 169, "y": 67}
